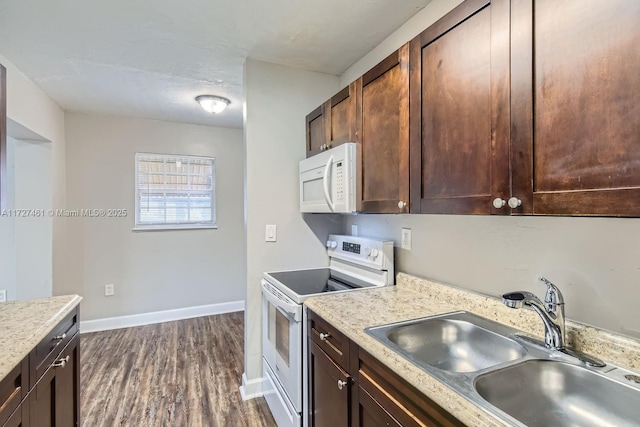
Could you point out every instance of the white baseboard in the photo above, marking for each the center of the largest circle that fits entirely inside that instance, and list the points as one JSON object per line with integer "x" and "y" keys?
{"x": 251, "y": 389}
{"x": 109, "y": 323}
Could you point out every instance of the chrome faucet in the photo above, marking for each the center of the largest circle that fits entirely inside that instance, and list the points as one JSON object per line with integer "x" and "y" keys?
{"x": 551, "y": 312}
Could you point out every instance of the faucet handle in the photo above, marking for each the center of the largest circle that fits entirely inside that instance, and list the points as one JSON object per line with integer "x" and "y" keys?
{"x": 553, "y": 297}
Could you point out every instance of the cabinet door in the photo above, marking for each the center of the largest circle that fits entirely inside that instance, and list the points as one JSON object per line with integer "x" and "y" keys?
{"x": 68, "y": 386}
{"x": 316, "y": 130}
{"x": 459, "y": 101}
{"x": 341, "y": 121}
{"x": 42, "y": 400}
{"x": 382, "y": 119}
{"x": 54, "y": 401}
{"x": 577, "y": 132}
{"x": 329, "y": 391}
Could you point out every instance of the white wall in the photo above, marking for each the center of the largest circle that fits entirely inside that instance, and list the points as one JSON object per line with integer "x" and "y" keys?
{"x": 277, "y": 99}
{"x": 151, "y": 270}
{"x": 30, "y": 107}
{"x": 414, "y": 26}
{"x": 595, "y": 261}
{"x": 8, "y": 229}
{"x": 33, "y": 234}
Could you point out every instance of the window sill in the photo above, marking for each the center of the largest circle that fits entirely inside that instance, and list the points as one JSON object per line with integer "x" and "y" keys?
{"x": 174, "y": 227}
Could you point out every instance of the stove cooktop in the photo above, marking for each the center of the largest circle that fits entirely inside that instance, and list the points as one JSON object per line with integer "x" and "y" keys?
{"x": 314, "y": 281}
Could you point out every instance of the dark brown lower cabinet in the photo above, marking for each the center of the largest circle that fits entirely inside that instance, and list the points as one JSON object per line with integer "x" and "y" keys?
{"x": 52, "y": 402}
{"x": 329, "y": 390}
{"x": 44, "y": 390}
{"x": 369, "y": 395}
{"x": 20, "y": 418}
{"x": 371, "y": 414}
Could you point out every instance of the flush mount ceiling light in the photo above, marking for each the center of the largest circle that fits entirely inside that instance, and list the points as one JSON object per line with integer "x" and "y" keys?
{"x": 213, "y": 104}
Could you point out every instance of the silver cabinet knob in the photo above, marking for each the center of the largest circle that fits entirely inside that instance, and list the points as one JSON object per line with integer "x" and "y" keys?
{"x": 341, "y": 384}
{"x": 60, "y": 337}
{"x": 402, "y": 205}
{"x": 324, "y": 337}
{"x": 514, "y": 202}
{"x": 498, "y": 203}
{"x": 60, "y": 363}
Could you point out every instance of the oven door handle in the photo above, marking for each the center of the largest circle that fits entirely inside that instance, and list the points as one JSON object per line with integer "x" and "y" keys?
{"x": 295, "y": 310}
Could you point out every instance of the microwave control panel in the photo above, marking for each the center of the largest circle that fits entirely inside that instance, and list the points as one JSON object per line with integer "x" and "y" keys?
{"x": 339, "y": 183}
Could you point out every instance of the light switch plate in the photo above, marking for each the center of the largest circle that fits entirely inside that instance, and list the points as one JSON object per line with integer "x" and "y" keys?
{"x": 270, "y": 233}
{"x": 354, "y": 230}
{"x": 406, "y": 239}
{"x": 3, "y": 295}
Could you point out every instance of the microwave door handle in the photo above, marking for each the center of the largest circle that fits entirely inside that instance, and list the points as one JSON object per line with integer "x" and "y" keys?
{"x": 325, "y": 182}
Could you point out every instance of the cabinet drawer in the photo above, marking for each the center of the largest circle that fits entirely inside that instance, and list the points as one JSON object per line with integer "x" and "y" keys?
{"x": 400, "y": 400}
{"x": 330, "y": 340}
{"x": 371, "y": 414}
{"x": 50, "y": 347}
{"x": 13, "y": 389}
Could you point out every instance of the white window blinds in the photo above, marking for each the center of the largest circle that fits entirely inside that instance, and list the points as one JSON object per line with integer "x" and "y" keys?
{"x": 174, "y": 191}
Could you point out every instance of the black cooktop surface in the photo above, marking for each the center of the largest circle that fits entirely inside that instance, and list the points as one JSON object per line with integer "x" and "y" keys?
{"x": 315, "y": 281}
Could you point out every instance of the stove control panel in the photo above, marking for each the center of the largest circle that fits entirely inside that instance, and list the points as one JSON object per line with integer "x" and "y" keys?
{"x": 377, "y": 254}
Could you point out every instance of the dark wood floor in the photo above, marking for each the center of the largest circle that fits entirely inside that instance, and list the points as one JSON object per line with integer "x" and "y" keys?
{"x": 184, "y": 373}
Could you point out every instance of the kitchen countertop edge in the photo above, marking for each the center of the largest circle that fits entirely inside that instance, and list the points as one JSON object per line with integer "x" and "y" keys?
{"x": 25, "y": 323}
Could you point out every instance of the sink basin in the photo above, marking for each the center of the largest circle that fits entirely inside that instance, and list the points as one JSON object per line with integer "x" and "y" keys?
{"x": 460, "y": 342}
{"x": 552, "y": 393}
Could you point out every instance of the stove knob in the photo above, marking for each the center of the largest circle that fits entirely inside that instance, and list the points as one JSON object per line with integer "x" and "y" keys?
{"x": 367, "y": 251}
{"x": 331, "y": 244}
{"x": 374, "y": 253}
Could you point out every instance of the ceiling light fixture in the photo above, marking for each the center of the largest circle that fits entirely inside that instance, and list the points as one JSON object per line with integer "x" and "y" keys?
{"x": 213, "y": 104}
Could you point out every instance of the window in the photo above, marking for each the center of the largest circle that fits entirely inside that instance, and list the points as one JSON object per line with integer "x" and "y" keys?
{"x": 174, "y": 192}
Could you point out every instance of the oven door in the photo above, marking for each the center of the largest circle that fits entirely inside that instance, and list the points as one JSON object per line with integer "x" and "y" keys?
{"x": 282, "y": 341}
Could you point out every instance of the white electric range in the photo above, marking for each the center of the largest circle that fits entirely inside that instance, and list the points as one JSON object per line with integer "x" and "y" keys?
{"x": 354, "y": 263}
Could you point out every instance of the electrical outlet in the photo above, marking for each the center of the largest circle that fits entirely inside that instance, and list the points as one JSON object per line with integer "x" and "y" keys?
{"x": 109, "y": 290}
{"x": 3, "y": 295}
{"x": 406, "y": 239}
{"x": 354, "y": 230}
{"x": 270, "y": 233}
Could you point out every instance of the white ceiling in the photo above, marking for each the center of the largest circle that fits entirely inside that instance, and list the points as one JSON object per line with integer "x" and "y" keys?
{"x": 150, "y": 58}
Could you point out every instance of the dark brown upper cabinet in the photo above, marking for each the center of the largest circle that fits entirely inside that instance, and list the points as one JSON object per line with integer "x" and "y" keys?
{"x": 459, "y": 107}
{"x": 576, "y": 135}
{"x": 332, "y": 123}
{"x": 3, "y": 136}
{"x": 382, "y": 121}
{"x": 316, "y": 131}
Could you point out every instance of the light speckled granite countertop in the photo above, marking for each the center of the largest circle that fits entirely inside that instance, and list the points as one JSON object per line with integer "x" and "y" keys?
{"x": 413, "y": 297}
{"x": 23, "y": 324}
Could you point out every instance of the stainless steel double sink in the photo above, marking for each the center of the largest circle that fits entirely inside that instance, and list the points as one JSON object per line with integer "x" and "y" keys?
{"x": 513, "y": 376}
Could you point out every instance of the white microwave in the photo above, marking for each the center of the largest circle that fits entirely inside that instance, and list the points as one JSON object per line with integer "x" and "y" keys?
{"x": 328, "y": 181}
